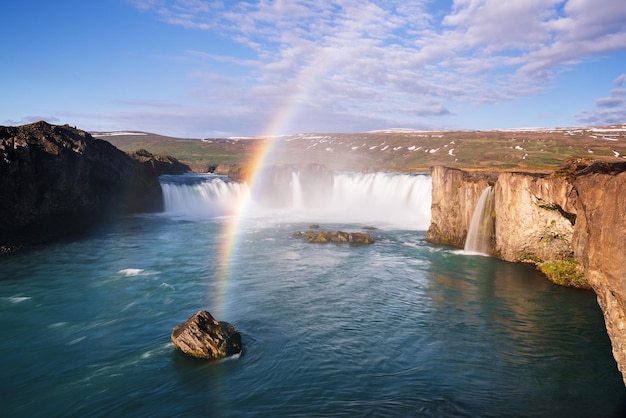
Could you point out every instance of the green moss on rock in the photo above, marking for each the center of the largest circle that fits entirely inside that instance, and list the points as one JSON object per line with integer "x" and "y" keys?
{"x": 565, "y": 273}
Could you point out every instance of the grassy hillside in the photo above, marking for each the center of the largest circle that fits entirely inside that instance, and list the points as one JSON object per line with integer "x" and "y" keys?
{"x": 395, "y": 149}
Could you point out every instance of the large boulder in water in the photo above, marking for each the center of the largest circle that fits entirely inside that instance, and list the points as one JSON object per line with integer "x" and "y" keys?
{"x": 202, "y": 336}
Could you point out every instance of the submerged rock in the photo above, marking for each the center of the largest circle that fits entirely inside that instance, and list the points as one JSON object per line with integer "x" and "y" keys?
{"x": 202, "y": 336}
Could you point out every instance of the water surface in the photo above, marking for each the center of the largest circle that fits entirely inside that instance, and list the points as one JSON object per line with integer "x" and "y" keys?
{"x": 397, "y": 328}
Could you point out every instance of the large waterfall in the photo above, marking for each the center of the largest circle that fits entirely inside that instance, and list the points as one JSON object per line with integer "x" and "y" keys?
{"x": 311, "y": 194}
{"x": 480, "y": 232}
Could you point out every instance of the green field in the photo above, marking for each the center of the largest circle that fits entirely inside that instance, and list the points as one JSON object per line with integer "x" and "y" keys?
{"x": 395, "y": 150}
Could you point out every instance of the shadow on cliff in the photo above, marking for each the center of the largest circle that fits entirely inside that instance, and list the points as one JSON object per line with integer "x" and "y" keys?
{"x": 57, "y": 181}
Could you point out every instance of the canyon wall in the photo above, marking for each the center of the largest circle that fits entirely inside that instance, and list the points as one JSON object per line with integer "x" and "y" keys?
{"x": 535, "y": 217}
{"x": 454, "y": 197}
{"x": 599, "y": 243}
{"x": 58, "y": 180}
{"x": 574, "y": 219}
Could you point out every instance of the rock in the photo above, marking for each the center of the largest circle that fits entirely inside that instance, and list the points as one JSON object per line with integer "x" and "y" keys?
{"x": 534, "y": 213}
{"x": 565, "y": 222}
{"x": 599, "y": 243}
{"x": 235, "y": 171}
{"x": 202, "y": 336}
{"x": 354, "y": 238}
{"x": 157, "y": 165}
{"x": 535, "y": 217}
{"x": 453, "y": 201}
{"x": 59, "y": 180}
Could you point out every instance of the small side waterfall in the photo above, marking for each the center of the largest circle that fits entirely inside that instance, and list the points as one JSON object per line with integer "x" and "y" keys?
{"x": 481, "y": 227}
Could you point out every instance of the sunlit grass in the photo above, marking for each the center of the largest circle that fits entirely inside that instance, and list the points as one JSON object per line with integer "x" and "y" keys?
{"x": 391, "y": 151}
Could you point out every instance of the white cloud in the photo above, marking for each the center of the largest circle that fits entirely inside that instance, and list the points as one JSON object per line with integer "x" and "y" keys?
{"x": 607, "y": 110}
{"x": 498, "y": 25}
{"x": 408, "y": 57}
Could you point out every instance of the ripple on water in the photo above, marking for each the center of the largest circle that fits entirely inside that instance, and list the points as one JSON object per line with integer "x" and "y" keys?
{"x": 131, "y": 272}
{"x": 398, "y": 328}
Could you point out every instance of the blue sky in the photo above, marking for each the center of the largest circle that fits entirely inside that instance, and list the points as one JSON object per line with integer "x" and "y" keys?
{"x": 194, "y": 68}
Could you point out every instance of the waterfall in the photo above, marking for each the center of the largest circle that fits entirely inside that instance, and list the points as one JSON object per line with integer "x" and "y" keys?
{"x": 200, "y": 196}
{"x": 309, "y": 194}
{"x": 481, "y": 227}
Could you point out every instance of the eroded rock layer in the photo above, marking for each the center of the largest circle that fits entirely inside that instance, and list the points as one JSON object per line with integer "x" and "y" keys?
{"x": 202, "y": 336}
{"x": 569, "y": 221}
{"x": 599, "y": 242}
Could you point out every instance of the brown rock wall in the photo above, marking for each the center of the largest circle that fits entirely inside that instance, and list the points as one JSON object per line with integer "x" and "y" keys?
{"x": 534, "y": 217}
{"x": 578, "y": 214}
{"x": 453, "y": 201}
{"x": 599, "y": 243}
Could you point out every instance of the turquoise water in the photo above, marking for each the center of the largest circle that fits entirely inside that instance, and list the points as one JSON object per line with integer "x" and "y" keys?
{"x": 398, "y": 328}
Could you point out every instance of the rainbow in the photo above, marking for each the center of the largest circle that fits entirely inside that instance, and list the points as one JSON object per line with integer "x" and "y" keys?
{"x": 300, "y": 88}
{"x": 231, "y": 234}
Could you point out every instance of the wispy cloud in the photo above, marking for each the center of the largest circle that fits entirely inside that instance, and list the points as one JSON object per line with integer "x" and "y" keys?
{"x": 32, "y": 119}
{"x": 412, "y": 59}
{"x": 608, "y": 110}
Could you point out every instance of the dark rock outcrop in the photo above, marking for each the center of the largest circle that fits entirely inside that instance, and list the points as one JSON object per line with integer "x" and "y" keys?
{"x": 58, "y": 180}
{"x": 239, "y": 172}
{"x": 354, "y": 238}
{"x": 202, "y": 336}
{"x": 156, "y": 165}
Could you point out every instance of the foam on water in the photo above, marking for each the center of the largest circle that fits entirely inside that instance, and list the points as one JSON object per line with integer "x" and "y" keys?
{"x": 470, "y": 253}
{"x": 16, "y": 299}
{"x": 130, "y": 272}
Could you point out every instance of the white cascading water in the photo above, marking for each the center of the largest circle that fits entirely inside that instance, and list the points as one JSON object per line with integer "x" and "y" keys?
{"x": 201, "y": 196}
{"x": 481, "y": 228}
{"x": 317, "y": 195}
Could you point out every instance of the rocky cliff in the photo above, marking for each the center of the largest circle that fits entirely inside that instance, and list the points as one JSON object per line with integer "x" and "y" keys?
{"x": 453, "y": 201}
{"x": 535, "y": 217}
{"x": 599, "y": 243}
{"x": 56, "y": 180}
{"x": 570, "y": 223}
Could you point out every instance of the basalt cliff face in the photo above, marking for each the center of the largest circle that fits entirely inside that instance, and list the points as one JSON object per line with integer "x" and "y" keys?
{"x": 56, "y": 180}
{"x": 575, "y": 216}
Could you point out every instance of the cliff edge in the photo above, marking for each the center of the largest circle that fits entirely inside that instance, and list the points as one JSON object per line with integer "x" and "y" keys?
{"x": 570, "y": 223}
{"x": 57, "y": 180}
{"x": 599, "y": 243}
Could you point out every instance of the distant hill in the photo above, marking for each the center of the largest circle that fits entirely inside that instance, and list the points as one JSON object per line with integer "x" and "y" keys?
{"x": 394, "y": 149}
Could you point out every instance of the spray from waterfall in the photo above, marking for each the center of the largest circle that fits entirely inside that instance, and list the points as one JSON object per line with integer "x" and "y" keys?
{"x": 481, "y": 228}
{"x": 201, "y": 196}
{"x": 307, "y": 194}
